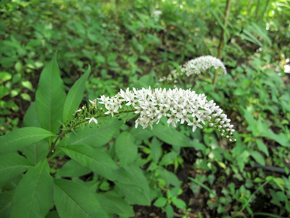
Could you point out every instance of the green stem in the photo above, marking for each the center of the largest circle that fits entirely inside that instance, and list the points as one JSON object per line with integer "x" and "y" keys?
{"x": 117, "y": 2}
{"x": 205, "y": 187}
{"x": 222, "y": 36}
{"x": 267, "y": 215}
{"x": 62, "y": 134}
{"x": 263, "y": 12}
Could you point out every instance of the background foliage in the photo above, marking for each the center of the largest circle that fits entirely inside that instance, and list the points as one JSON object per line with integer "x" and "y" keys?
{"x": 132, "y": 43}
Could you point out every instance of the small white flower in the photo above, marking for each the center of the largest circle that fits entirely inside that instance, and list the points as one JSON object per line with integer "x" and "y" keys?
{"x": 104, "y": 100}
{"x": 194, "y": 124}
{"x": 111, "y": 110}
{"x": 93, "y": 102}
{"x": 92, "y": 119}
{"x": 79, "y": 110}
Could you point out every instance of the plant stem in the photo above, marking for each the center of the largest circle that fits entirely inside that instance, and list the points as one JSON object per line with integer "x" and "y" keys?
{"x": 117, "y": 2}
{"x": 257, "y": 8}
{"x": 222, "y": 36}
{"x": 205, "y": 187}
{"x": 249, "y": 8}
{"x": 263, "y": 12}
{"x": 63, "y": 133}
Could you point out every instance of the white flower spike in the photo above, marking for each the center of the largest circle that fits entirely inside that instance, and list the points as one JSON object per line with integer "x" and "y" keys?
{"x": 196, "y": 65}
{"x": 178, "y": 105}
{"x": 202, "y": 63}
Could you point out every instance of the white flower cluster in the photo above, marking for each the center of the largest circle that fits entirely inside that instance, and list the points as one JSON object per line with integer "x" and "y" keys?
{"x": 196, "y": 65}
{"x": 202, "y": 63}
{"x": 177, "y": 105}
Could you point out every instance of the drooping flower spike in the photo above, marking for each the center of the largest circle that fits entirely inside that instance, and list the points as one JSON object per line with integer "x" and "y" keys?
{"x": 178, "y": 105}
{"x": 197, "y": 65}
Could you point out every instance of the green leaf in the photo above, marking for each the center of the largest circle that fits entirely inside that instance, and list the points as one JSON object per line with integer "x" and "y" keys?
{"x": 126, "y": 149}
{"x": 168, "y": 158}
{"x": 5, "y": 203}
{"x": 39, "y": 150}
{"x": 34, "y": 194}
{"x": 75, "y": 200}
{"x": 262, "y": 147}
{"x": 179, "y": 203}
{"x": 12, "y": 165}
{"x": 99, "y": 162}
{"x": 169, "y": 177}
{"x": 160, "y": 202}
{"x": 257, "y": 179}
{"x": 170, "y": 135}
{"x": 72, "y": 169}
{"x": 25, "y": 96}
{"x": 20, "y": 138}
{"x": 30, "y": 118}
{"x": 36, "y": 151}
{"x": 281, "y": 138}
{"x": 94, "y": 136}
{"x": 50, "y": 97}
{"x": 4, "y": 76}
{"x": 3, "y": 91}
{"x": 75, "y": 96}
{"x": 115, "y": 205}
{"x": 240, "y": 91}
{"x": 141, "y": 134}
{"x": 133, "y": 195}
{"x": 136, "y": 195}
{"x": 251, "y": 121}
{"x": 156, "y": 150}
{"x": 52, "y": 214}
{"x": 258, "y": 157}
{"x": 169, "y": 211}
{"x": 27, "y": 85}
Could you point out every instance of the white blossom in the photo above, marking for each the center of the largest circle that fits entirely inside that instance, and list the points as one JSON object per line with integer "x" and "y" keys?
{"x": 195, "y": 66}
{"x": 93, "y": 102}
{"x": 92, "y": 119}
{"x": 178, "y": 105}
{"x": 202, "y": 63}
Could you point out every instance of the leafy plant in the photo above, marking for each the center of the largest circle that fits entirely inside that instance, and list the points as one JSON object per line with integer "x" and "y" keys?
{"x": 132, "y": 44}
{"x": 44, "y": 137}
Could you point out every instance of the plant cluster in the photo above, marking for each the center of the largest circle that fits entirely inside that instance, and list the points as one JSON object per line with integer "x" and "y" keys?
{"x": 87, "y": 155}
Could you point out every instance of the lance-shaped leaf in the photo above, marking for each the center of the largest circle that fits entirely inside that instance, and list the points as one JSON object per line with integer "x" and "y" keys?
{"x": 72, "y": 169}
{"x": 30, "y": 118}
{"x": 20, "y": 138}
{"x": 115, "y": 205}
{"x": 5, "y": 203}
{"x": 133, "y": 194}
{"x": 75, "y": 200}
{"x": 94, "y": 136}
{"x": 170, "y": 135}
{"x": 12, "y": 165}
{"x": 126, "y": 148}
{"x": 39, "y": 150}
{"x": 99, "y": 162}
{"x": 34, "y": 194}
{"x": 75, "y": 96}
{"x": 50, "y": 97}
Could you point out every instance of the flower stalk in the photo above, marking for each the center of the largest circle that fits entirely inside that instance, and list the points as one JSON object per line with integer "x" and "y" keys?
{"x": 177, "y": 105}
